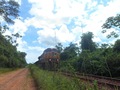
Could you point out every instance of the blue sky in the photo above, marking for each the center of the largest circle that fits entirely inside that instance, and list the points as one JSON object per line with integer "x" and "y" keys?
{"x": 44, "y": 23}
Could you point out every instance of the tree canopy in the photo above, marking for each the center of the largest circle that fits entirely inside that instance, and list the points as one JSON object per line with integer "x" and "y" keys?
{"x": 59, "y": 47}
{"x": 9, "y": 9}
{"x": 87, "y": 42}
{"x": 112, "y": 22}
{"x": 69, "y": 52}
{"x": 9, "y": 56}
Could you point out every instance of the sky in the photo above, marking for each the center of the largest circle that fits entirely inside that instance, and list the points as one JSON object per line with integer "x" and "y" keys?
{"x": 44, "y": 23}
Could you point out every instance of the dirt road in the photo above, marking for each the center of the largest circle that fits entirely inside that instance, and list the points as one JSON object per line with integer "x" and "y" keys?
{"x": 17, "y": 80}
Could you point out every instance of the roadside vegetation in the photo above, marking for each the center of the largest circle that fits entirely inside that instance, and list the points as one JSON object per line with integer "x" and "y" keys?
{"x": 5, "y": 70}
{"x": 47, "y": 80}
{"x": 90, "y": 57}
{"x": 9, "y": 56}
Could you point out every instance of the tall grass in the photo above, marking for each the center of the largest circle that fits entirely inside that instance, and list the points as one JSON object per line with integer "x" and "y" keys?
{"x": 47, "y": 80}
{"x": 5, "y": 70}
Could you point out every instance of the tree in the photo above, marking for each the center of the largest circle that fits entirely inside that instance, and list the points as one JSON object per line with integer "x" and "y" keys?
{"x": 59, "y": 47}
{"x": 116, "y": 46}
{"x": 8, "y": 10}
{"x": 9, "y": 56}
{"x": 112, "y": 22}
{"x": 104, "y": 46}
{"x": 87, "y": 42}
{"x": 69, "y": 52}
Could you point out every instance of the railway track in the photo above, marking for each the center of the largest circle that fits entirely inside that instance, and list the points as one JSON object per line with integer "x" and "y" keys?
{"x": 111, "y": 83}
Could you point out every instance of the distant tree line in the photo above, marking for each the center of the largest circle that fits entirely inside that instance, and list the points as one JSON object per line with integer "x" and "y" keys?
{"x": 92, "y": 58}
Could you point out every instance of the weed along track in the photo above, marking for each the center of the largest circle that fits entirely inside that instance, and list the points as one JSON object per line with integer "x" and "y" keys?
{"x": 106, "y": 82}
{"x": 17, "y": 80}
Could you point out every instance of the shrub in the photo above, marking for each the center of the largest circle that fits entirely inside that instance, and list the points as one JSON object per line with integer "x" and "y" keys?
{"x": 47, "y": 80}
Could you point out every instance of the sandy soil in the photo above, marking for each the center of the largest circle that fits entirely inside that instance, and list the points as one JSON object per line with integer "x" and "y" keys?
{"x": 17, "y": 80}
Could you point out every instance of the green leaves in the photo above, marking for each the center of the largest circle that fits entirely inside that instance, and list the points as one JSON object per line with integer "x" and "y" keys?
{"x": 9, "y": 56}
{"x": 112, "y": 22}
{"x": 69, "y": 52}
{"x": 117, "y": 46}
{"x": 3, "y": 60}
{"x": 9, "y": 10}
{"x": 87, "y": 42}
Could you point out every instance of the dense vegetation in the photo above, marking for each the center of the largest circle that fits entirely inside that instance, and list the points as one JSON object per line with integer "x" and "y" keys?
{"x": 91, "y": 58}
{"x": 9, "y": 56}
{"x": 47, "y": 80}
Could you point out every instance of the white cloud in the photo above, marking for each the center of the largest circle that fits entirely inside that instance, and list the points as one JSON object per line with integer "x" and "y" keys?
{"x": 52, "y": 37}
{"x": 19, "y": 27}
{"x": 32, "y": 51}
{"x": 64, "y": 35}
{"x": 22, "y": 45}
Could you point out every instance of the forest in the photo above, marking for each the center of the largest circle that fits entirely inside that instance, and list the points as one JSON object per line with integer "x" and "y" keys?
{"x": 90, "y": 57}
{"x": 10, "y": 57}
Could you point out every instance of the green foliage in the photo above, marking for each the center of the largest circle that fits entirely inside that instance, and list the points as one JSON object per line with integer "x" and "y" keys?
{"x": 69, "y": 52}
{"x": 8, "y": 10}
{"x": 9, "y": 56}
{"x": 59, "y": 47}
{"x": 95, "y": 85}
{"x": 113, "y": 62}
{"x": 47, "y": 80}
{"x": 67, "y": 66}
{"x": 112, "y": 22}
{"x": 5, "y": 70}
{"x": 116, "y": 46}
{"x": 3, "y": 61}
{"x": 104, "y": 61}
{"x": 87, "y": 43}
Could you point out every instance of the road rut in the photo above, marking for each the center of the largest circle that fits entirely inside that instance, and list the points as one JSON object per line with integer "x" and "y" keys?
{"x": 17, "y": 80}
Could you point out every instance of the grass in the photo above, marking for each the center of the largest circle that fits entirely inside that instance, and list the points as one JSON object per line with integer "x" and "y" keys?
{"x": 5, "y": 70}
{"x": 47, "y": 80}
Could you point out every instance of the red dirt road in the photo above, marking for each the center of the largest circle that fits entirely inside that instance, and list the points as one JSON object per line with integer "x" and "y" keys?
{"x": 17, "y": 80}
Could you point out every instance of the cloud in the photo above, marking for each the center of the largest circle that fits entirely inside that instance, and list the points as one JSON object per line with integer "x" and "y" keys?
{"x": 19, "y": 27}
{"x": 32, "y": 51}
{"x": 53, "y": 36}
{"x": 55, "y": 14}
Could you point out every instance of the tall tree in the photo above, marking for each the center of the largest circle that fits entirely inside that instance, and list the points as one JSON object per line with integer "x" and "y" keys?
{"x": 9, "y": 9}
{"x": 69, "y": 52}
{"x": 9, "y": 56}
{"x": 59, "y": 47}
{"x": 87, "y": 42}
{"x": 116, "y": 46}
{"x": 112, "y": 22}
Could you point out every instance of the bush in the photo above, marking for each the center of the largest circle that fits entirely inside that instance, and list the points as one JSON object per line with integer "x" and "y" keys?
{"x": 47, "y": 80}
{"x": 3, "y": 60}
